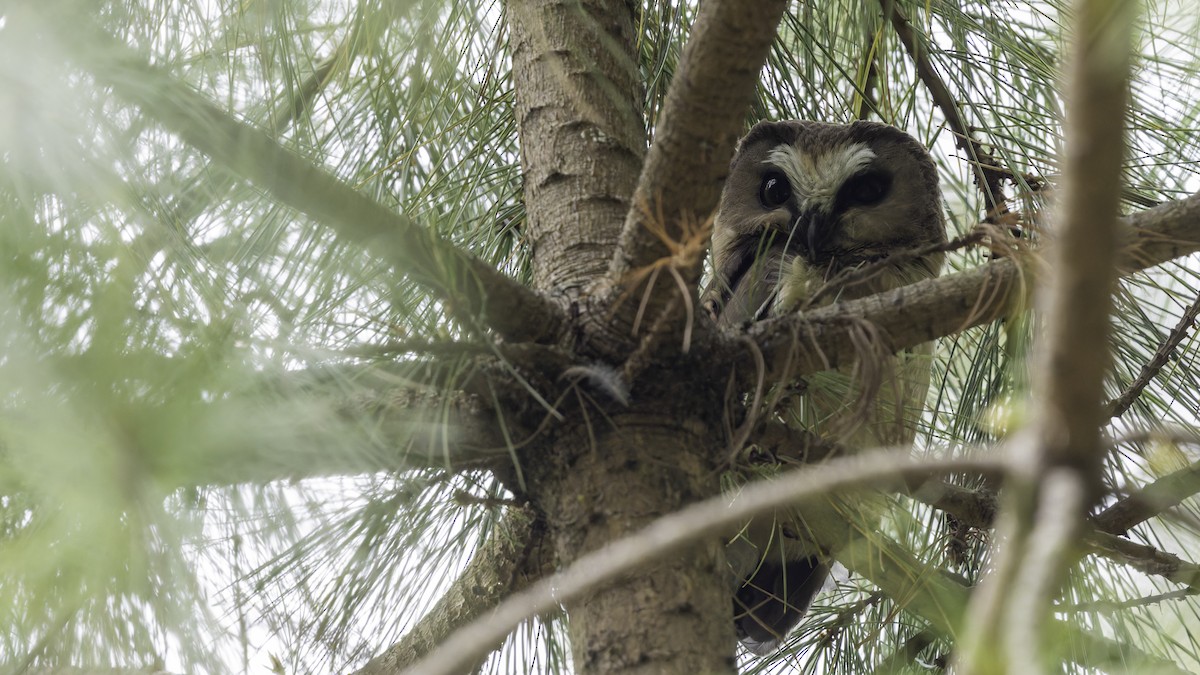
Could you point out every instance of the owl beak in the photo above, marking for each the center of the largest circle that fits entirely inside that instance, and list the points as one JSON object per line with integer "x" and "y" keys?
{"x": 810, "y": 234}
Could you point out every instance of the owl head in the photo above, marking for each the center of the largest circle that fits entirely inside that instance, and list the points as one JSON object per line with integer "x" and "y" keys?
{"x": 805, "y": 200}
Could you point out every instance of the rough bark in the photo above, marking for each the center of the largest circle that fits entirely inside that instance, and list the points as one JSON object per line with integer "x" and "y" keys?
{"x": 703, "y": 115}
{"x": 464, "y": 433}
{"x": 698, "y": 523}
{"x": 600, "y": 476}
{"x": 579, "y": 119}
{"x": 1150, "y": 501}
{"x": 673, "y": 615}
{"x": 930, "y": 594}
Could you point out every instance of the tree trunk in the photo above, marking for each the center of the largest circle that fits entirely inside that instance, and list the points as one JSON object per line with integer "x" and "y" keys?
{"x": 672, "y": 617}
{"x": 579, "y": 115}
{"x": 579, "y": 101}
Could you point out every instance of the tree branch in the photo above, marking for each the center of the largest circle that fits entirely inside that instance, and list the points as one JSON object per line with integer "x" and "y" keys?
{"x": 505, "y": 564}
{"x": 676, "y": 531}
{"x": 1148, "y": 502}
{"x": 1058, "y": 459}
{"x": 1145, "y": 558}
{"x": 579, "y": 97}
{"x": 979, "y": 509}
{"x": 1119, "y": 405}
{"x": 987, "y": 177}
{"x": 1075, "y": 353}
{"x": 1049, "y": 551}
{"x": 819, "y": 339}
{"x": 976, "y": 508}
{"x": 866, "y": 102}
{"x": 702, "y": 117}
{"x": 940, "y": 601}
{"x": 472, "y": 289}
{"x": 335, "y": 431}
{"x": 905, "y": 655}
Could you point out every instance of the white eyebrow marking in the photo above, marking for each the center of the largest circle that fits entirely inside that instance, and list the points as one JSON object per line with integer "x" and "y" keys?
{"x": 815, "y": 178}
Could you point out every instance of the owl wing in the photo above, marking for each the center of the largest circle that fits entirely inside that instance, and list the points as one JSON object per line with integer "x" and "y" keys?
{"x": 745, "y": 287}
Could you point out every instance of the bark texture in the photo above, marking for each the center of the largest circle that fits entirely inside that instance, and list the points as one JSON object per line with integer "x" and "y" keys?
{"x": 606, "y": 473}
{"x": 680, "y": 183}
{"x": 579, "y": 116}
{"x": 605, "y": 483}
{"x": 703, "y": 116}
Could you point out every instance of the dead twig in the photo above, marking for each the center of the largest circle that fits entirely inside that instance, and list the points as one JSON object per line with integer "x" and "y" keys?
{"x": 989, "y": 180}
{"x": 1119, "y": 405}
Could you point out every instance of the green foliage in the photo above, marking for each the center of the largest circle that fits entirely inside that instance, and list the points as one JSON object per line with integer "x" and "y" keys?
{"x": 162, "y": 495}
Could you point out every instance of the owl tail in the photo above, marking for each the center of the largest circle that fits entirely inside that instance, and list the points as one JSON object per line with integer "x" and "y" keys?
{"x": 773, "y": 600}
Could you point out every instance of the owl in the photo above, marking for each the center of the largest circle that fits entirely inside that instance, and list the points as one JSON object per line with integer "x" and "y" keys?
{"x": 807, "y": 204}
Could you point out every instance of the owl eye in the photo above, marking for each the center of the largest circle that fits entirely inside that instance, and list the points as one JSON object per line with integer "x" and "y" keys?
{"x": 775, "y": 190}
{"x": 866, "y": 189}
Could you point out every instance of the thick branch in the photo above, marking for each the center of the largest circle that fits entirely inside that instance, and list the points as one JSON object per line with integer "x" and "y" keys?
{"x": 1145, "y": 558}
{"x": 702, "y": 117}
{"x": 976, "y": 508}
{"x": 206, "y": 184}
{"x": 578, "y": 108}
{"x": 1074, "y": 357}
{"x": 339, "y": 432}
{"x": 505, "y": 564}
{"x": 820, "y": 339}
{"x": 472, "y": 289}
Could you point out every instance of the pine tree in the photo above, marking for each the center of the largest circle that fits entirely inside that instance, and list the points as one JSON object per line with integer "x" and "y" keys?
{"x": 339, "y": 335}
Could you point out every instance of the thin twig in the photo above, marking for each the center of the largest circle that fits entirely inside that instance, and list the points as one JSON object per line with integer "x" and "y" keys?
{"x": 865, "y": 102}
{"x": 1120, "y": 606}
{"x": 1167, "y": 434}
{"x": 675, "y": 531}
{"x": 990, "y": 182}
{"x": 1120, "y": 404}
